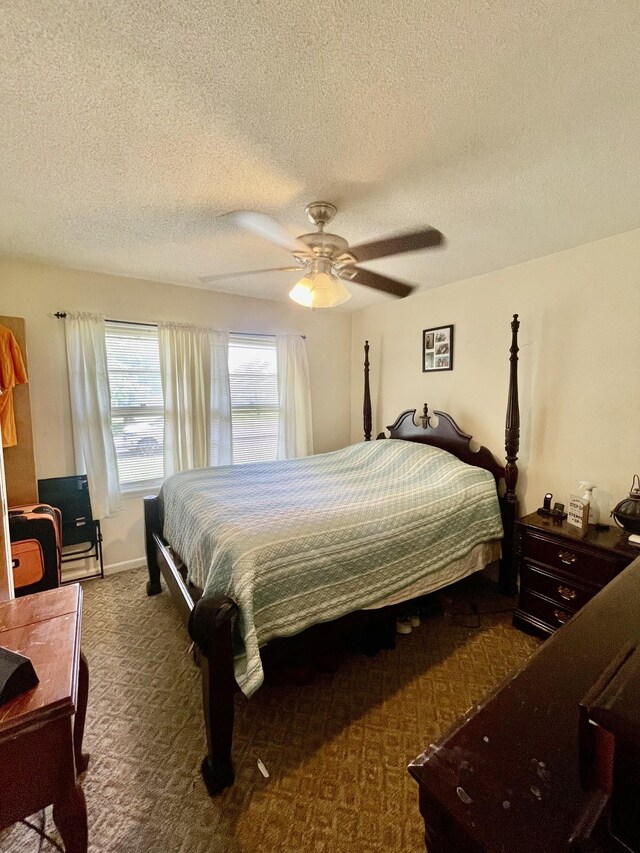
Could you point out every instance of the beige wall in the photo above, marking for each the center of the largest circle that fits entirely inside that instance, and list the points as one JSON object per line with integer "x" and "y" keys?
{"x": 579, "y": 365}
{"x": 35, "y": 291}
{"x": 579, "y": 368}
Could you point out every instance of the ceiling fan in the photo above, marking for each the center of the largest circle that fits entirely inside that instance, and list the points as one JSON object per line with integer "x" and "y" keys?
{"x": 327, "y": 259}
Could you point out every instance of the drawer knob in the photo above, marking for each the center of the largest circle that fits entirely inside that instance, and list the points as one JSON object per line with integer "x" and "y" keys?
{"x": 561, "y": 615}
{"x": 567, "y": 557}
{"x": 567, "y": 593}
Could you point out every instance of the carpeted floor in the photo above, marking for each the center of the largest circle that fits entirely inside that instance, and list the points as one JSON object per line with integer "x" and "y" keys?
{"x": 337, "y": 750}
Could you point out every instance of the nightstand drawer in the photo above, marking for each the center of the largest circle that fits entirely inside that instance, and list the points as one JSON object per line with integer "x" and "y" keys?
{"x": 553, "y": 615}
{"x": 561, "y": 570}
{"x": 565, "y": 593}
{"x": 597, "y": 568}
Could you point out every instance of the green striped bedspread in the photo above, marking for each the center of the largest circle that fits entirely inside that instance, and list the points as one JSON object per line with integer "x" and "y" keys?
{"x": 303, "y": 541}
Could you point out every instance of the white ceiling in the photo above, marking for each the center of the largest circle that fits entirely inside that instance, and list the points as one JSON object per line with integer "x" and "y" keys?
{"x": 513, "y": 126}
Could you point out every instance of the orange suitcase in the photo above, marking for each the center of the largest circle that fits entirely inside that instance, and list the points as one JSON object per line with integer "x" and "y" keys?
{"x": 42, "y": 523}
{"x": 27, "y": 562}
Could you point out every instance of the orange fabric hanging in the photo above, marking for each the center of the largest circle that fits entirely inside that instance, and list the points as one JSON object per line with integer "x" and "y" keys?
{"x": 12, "y": 373}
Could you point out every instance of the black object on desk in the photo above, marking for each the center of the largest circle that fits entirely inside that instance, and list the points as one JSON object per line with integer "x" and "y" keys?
{"x": 17, "y": 675}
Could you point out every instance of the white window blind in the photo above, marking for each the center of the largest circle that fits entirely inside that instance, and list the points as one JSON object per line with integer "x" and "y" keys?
{"x": 133, "y": 362}
{"x": 254, "y": 397}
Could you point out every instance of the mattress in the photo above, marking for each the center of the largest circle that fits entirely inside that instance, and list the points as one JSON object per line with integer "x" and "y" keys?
{"x": 477, "y": 559}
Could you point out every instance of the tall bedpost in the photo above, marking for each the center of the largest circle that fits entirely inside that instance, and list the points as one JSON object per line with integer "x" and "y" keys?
{"x": 512, "y": 425}
{"x": 366, "y": 406}
{"x": 508, "y": 579}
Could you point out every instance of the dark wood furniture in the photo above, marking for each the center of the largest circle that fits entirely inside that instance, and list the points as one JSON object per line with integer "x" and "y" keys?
{"x": 561, "y": 569}
{"x": 507, "y": 776}
{"x": 209, "y": 618}
{"x": 41, "y": 730}
{"x": 610, "y": 753}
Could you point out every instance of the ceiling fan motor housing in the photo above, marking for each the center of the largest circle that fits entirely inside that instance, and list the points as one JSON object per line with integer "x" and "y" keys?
{"x": 321, "y": 212}
{"x": 324, "y": 245}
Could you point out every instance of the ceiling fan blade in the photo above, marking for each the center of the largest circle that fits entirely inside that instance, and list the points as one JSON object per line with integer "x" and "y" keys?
{"x": 267, "y": 228}
{"x": 427, "y": 239}
{"x": 207, "y": 279}
{"x": 377, "y": 281}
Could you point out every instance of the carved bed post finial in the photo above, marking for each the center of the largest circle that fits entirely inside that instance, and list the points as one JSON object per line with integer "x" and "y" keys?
{"x": 508, "y": 563}
{"x": 512, "y": 424}
{"x": 366, "y": 407}
{"x": 425, "y": 417}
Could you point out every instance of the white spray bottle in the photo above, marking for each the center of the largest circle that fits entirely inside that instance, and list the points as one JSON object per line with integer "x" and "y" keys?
{"x": 594, "y": 510}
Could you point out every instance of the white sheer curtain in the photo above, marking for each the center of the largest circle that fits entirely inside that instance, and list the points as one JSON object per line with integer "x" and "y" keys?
{"x": 220, "y": 408}
{"x": 185, "y": 369}
{"x": 91, "y": 411}
{"x": 294, "y": 397}
{"x": 197, "y": 402}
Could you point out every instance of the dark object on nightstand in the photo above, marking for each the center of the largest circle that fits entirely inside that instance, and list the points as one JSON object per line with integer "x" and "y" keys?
{"x": 561, "y": 569}
{"x": 627, "y": 512}
{"x": 557, "y": 512}
{"x": 17, "y": 675}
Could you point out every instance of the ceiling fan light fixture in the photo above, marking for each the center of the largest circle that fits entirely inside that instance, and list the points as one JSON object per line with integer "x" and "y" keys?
{"x": 301, "y": 293}
{"x": 328, "y": 291}
{"x": 320, "y": 288}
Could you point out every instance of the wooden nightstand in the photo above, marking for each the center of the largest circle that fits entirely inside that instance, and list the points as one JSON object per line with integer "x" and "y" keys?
{"x": 560, "y": 569}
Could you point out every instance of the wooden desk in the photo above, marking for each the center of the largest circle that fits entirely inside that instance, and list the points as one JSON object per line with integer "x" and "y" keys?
{"x": 507, "y": 776}
{"x": 41, "y": 730}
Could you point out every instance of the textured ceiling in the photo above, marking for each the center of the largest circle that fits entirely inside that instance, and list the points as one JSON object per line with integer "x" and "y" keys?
{"x": 126, "y": 128}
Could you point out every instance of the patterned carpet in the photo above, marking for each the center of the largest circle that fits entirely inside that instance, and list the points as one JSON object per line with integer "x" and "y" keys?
{"x": 336, "y": 750}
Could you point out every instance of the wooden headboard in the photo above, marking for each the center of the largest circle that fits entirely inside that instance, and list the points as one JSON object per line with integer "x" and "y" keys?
{"x": 446, "y": 435}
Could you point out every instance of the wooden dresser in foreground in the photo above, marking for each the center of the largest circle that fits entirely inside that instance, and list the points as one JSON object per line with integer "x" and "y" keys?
{"x": 507, "y": 777}
{"x": 560, "y": 569}
{"x": 41, "y": 730}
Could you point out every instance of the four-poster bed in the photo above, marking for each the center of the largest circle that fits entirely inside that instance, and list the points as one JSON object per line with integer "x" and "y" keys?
{"x": 218, "y": 622}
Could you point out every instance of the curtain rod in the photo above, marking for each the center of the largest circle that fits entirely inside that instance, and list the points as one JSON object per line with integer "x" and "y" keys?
{"x": 62, "y": 314}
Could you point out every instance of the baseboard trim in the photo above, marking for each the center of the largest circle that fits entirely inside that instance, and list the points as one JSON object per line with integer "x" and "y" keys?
{"x": 91, "y": 567}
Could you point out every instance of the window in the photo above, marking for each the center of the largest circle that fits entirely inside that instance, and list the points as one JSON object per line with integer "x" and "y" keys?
{"x": 253, "y": 377}
{"x": 133, "y": 362}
